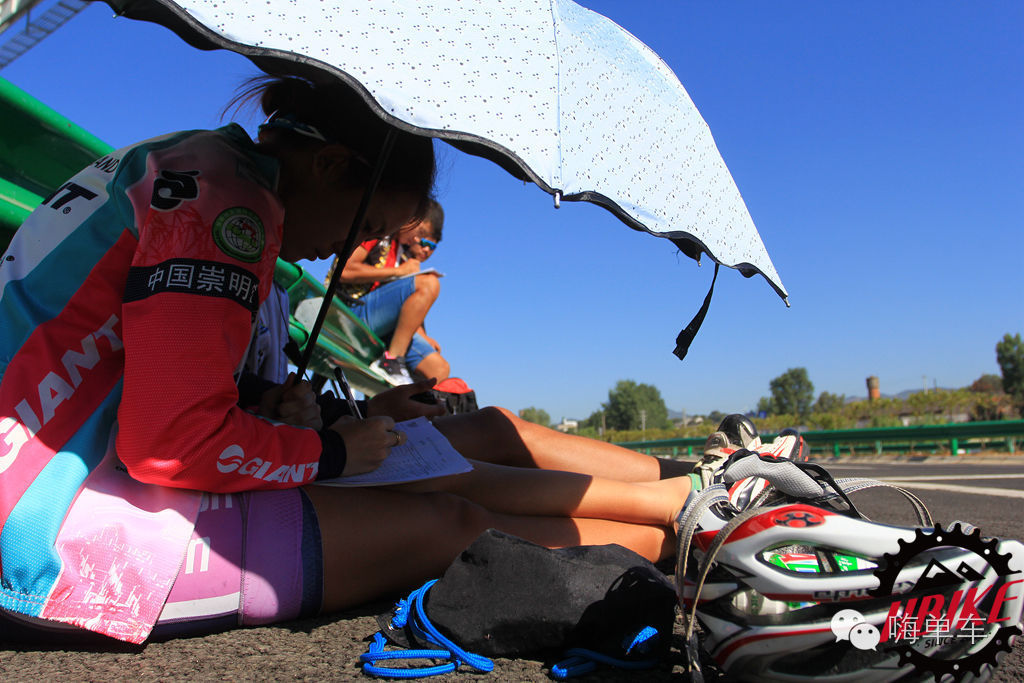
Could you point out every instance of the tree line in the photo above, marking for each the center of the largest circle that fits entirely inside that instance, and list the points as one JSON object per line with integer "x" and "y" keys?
{"x": 636, "y": 411}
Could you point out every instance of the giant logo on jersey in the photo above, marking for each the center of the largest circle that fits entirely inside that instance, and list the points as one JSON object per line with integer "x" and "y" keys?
{"x": 63, "y": 198}
{"x": 233, "y": 459}
{"x": 53, "y": 390}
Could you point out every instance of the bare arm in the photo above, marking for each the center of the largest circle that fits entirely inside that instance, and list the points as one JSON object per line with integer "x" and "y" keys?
{"x": 356, "y": 269}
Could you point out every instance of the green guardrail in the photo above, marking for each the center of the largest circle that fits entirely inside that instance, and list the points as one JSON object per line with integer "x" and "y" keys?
{"x": 949, "y": 438}
{"x": 344, "y": 341}
{"x": 40, "y": 149}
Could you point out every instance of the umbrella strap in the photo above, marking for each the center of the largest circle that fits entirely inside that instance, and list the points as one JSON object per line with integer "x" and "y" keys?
{"x": 686, "y": 336}
{"x": 350, "y": 243}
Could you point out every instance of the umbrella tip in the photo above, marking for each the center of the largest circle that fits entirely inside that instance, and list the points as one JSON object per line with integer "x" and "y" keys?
{"x": 558, "y": 199}
{"x": 785, "y": 300}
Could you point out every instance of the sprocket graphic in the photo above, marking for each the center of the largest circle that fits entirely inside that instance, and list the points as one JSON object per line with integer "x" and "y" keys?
{"x": 925, "y": 539}
{"x": 1000, "y": 641}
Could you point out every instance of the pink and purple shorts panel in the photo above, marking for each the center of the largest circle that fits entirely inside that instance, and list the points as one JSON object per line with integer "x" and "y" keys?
{"x": 254, "y": 558}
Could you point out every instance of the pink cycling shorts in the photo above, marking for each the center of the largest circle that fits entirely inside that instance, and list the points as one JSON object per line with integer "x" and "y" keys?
{"x": 254, "y": 558}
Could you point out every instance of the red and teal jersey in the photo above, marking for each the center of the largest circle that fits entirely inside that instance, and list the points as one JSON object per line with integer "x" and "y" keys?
{"x": 127, "y": 302}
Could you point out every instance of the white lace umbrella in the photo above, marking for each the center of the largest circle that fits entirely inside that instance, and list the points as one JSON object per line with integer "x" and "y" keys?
{"x": 551, "y": 91}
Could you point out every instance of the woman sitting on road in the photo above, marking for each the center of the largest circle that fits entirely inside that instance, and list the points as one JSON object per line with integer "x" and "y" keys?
{"x": 128, "y": 300}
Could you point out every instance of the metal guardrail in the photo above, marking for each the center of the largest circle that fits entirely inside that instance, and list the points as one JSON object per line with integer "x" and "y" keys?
{"x": 916, "y": 439}
{"x": 39, "y": 150}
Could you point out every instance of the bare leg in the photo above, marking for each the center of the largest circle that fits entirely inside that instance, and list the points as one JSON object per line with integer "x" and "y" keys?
{"x": 377, "y": 542}
{"x": 527, "y": 491}
{"x": 433, "y": 366}
{"x": 414, "y": 312}
{"x": 496, "y": 435}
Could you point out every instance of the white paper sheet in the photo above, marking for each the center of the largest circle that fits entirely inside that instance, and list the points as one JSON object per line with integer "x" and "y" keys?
{"x": 426, "y": 454}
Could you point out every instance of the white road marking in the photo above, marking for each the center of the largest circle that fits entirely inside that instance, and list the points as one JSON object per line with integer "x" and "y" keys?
{"x": 854, "y": 467}
{"x": 979, "y": 490}
{"x": 954, "y": 477}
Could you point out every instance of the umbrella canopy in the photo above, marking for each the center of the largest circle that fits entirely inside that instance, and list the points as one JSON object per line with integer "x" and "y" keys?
{"x": 549, "y": 90}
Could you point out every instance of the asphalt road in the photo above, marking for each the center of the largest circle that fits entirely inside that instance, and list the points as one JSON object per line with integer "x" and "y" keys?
{"x": 987, "y": 493}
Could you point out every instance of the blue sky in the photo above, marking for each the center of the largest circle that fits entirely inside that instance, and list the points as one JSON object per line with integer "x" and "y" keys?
{"x": 878, "y": 146}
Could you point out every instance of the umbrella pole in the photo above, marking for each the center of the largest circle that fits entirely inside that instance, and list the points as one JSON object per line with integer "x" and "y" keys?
{"x": 350, "y": 243}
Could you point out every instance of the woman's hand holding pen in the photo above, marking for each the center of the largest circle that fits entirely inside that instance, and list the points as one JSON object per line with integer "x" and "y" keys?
{"x": 293, "y": 403}
{"x": 399, "y": 404}
{"x": 367, "y": 442}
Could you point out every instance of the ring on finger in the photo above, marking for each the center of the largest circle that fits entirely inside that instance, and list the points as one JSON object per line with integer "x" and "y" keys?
{"x": 399, "y": 437}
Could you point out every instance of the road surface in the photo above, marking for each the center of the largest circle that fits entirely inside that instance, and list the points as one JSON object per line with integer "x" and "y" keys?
{"x": 988, "y": 493}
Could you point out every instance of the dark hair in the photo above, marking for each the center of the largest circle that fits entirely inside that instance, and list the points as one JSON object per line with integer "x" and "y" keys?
{"x": 341, "y": 115}
{"x": 435, "y": 216}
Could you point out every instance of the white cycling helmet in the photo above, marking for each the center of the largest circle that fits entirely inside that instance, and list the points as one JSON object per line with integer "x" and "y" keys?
{"x": 800, "y": 587}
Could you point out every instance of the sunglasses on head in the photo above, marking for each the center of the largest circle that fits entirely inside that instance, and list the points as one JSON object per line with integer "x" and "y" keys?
{"x": 427, "y": 243}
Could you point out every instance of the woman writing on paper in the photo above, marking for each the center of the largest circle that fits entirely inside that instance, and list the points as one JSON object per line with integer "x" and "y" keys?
{"x": 128, "y": 300}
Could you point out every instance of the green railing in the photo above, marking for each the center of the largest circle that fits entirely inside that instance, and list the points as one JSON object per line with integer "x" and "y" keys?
{"x": 931, "y": 439}
{"x": 344, "y": 341}
{"x": 39, "y": 150}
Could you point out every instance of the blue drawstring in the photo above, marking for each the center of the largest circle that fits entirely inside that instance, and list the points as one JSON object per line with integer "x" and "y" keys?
{"x": 581, "y": 661}
{"x": 410, "y": 612}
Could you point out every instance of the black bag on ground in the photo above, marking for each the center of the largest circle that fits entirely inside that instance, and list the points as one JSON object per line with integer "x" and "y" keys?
{"x": 506, "y": 597}
{"x": 456, "y": 396}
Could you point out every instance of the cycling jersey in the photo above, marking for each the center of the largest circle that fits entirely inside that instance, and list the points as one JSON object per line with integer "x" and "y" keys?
{"x": 128, "y": 300}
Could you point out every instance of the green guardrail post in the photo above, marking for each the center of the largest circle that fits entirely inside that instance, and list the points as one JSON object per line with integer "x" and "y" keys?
{"x": 954, "y": 446}
{"x": 689, "y": 451}
{"x": 675, "y": 451}
{"x": 1010, "y": 442}
{"x": 835, "y": 450}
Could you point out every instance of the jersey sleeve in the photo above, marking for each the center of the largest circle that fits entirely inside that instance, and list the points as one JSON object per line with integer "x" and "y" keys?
{"x": 208, "y": 234}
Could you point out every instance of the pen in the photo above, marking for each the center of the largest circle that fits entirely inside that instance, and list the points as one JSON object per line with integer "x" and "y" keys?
{"x": 343, "y": 381}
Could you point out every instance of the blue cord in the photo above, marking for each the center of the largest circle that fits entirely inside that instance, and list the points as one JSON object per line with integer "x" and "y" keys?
{"x": 580, "y": 661}
{"x": 377, "y": 654}
{"x": 411, "y": 612}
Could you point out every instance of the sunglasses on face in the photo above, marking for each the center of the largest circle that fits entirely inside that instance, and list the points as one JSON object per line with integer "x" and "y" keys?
{"x": 427, "y": 244}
